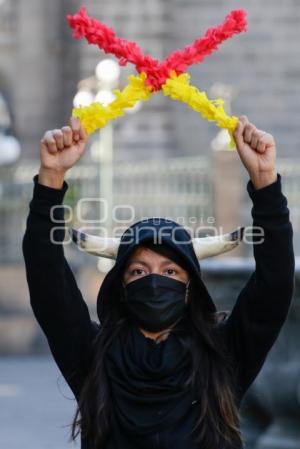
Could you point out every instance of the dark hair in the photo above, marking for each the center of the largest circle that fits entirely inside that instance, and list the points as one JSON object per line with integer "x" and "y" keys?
{"x": 212, "y": 372}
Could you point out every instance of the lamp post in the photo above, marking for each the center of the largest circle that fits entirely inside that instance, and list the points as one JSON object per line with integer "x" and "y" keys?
{"x": 107, "y": 74}
{"x": 99, "y": 89}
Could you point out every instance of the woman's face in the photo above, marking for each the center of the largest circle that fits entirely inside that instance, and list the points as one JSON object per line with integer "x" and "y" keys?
{"x": 144, "y": 261}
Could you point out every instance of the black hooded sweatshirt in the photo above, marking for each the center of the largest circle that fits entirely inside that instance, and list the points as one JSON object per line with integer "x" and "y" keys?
{"x": 143, "y": 410}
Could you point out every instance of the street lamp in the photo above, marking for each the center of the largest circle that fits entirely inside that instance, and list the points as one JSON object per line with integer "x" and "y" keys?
{"x": 10, "y": 149}
{"x": 99, "y": 89}
{"x": 10, "y": 146}
{"x": 83, "y": 98}
{"x": 108, "y": 72}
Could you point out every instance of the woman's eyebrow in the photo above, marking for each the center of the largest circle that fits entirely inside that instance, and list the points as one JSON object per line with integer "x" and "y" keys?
{"x": 164, "y": 262}
{"x": 168, "y": 261}
{"x": 130, "y": 262}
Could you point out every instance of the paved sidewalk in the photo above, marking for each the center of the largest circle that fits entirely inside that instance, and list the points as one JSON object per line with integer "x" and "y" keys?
{"x": 36, "y": 404}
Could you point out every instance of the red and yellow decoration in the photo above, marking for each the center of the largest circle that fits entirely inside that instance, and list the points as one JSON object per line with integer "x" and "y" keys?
{"x": 153, "y": 76}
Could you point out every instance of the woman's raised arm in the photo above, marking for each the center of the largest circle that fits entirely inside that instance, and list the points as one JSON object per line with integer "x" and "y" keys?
{"x": 263, "y": 304}
{"x": 56, "y": 301}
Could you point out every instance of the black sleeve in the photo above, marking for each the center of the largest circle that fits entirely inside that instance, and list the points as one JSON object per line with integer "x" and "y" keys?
{"x": 263, "y": 304}
{"x": 55, "y": 299}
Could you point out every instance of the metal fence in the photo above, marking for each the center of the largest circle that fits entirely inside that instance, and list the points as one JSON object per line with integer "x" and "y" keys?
{"x": 179, "y": 188}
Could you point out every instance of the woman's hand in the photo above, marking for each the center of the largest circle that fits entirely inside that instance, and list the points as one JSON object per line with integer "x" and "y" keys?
{"x": 60, "y": 149}
{"x": 257, "y": 150}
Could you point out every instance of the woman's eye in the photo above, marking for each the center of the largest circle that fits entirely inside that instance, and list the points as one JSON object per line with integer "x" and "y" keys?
{"x": 136, "y": 271}
{"x": 171, "y": 271}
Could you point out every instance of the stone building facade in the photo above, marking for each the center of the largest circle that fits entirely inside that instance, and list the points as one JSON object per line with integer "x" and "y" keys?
{"x": 41, "y": 64}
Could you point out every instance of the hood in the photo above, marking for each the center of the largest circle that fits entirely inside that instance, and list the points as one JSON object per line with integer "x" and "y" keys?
{"x": 158, "y": 230}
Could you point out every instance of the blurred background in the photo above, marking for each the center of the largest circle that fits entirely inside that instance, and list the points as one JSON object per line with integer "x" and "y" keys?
{"x": 161, "y": 159}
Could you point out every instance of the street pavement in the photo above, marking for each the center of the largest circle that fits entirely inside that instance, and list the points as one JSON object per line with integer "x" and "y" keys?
{"x": 36, "y": 404}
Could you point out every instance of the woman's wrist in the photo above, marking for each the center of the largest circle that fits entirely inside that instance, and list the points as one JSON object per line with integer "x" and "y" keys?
{"x": 264, "y": 179}
{"x": 51, "y": 178}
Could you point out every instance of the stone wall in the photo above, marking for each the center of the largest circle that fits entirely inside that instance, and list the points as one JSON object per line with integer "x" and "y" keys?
{"x": 40, "y": 66}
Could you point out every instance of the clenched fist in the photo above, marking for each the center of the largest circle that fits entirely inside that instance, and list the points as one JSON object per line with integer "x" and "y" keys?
{"x": 60, "y": 149}
{"x": 257, "y": 151}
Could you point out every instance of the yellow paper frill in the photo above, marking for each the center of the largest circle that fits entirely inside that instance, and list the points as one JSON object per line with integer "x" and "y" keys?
{"x": 97, "y": 116}
{"x": 179, "y": 88}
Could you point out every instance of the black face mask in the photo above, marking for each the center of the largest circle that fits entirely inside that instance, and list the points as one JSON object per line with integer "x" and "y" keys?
{"x": 155, "y": 301}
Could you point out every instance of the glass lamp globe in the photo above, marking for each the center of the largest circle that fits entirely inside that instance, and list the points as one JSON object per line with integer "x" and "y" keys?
{"x": 108, "y": 71}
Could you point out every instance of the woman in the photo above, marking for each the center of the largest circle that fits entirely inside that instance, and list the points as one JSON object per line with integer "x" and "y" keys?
{"x": 161, "y": 370}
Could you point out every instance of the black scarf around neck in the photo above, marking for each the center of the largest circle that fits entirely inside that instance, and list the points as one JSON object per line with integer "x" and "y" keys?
{"x": 147, "y": 381}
